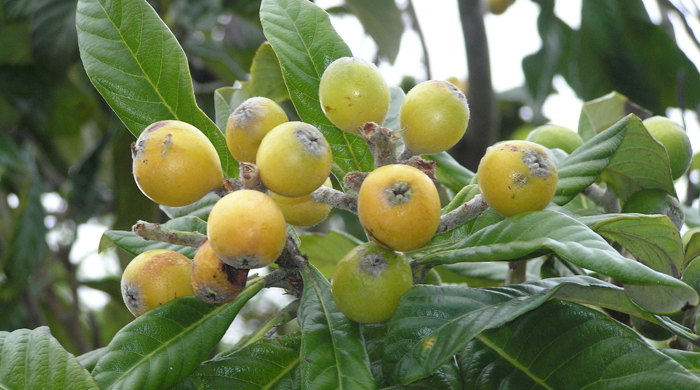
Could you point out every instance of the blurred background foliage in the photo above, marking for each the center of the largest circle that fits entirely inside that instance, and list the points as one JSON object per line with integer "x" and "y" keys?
{"x": 65, "y": 158}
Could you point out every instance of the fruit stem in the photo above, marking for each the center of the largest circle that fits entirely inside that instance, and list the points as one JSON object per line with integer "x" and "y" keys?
{"x": 517, "y": 271}
{"x": 603, "y": 197}
{"x": 335, "y": 198}
{"x": 250, "y": 177}
{"x": 155, "y": 232}
{"x": 381, "y": 142}
{"x": 353, "y": 180}
{"x": 462, "y": 214}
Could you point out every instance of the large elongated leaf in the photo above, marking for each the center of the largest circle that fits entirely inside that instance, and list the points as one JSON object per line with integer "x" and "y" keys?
{"x": 432, "y": 324}
{"x": 33, "y": 359}
{"x": 306, "y": 43}
{"x": 140, "y": 69}
{"x": 332, "y": 354}
{"x": 654, "y": 240}
{"x": 265, "y": 364}
{"x": 449, "y": 172}
{"x": 266, "y": 76}
{"x": 325, "y": 250}
{"x": 629, "y": 155}
{"x": 536, "y": 233}
{"x": 166, "y": 344}
{"x": 136, "y": 245}
{"x": 563, "y": 345}
{"x": 382, "y": 20}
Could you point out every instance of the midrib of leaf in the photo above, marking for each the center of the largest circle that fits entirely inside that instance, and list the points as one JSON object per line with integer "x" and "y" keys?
{"x": 276, "y": 379}
{"x": 330, "y": 328}
{"x": 514, "y": 362}
{"x": 318, "y": 77}
{"x": 243, "y": 297}
{"x": 133, "y": 55}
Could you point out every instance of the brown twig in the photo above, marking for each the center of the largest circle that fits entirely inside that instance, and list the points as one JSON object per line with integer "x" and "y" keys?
{"x": 156, "y": 232}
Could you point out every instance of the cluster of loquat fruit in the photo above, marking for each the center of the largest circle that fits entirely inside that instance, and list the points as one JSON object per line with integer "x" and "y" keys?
{"x": 175, "y": 164}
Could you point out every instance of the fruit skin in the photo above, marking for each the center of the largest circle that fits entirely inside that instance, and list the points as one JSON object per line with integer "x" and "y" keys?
{"x": 369, "y": 282}
{"x": 672, "y": 136}
{"x": 498, "y": 7}
{"x": 248, "y": 124}
{"x": 294, "y": 159}
{"x": 352, "y": 92}
{"x": 154, "y": 278}
{"x": 214, "y": 281}
{"x": 246, "y": 229}
{"x": 304, "y": 210}
{"x": 555, "y": 136}
{"x": 517, "y": 176}
{"x": 175, "y": 164}
{"x": 652, "y": 201}
{"x": 399, "y": 207}
{"x": 434, "y": 117}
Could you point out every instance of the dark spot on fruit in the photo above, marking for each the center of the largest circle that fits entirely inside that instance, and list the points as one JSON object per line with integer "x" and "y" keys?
{"x": 399, "y": 193}
{"x": 156, "y": 126}
{"x": 373, "y": 264}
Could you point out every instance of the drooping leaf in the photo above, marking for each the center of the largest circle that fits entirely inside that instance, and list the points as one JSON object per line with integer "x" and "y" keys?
{"x": 393, "y": 119}
{"x": 264, "y": 364}
{"x": 653, "y": 240}
{"x": 140, "y": 69}
{"x": 163, "y": 346}
{"x": 33, "y": 359}
{"x": 306, "y": 43}
{"x": 266, "y": 76}
{"x": 89, "y": 359}
{"x": 382, "y": 21}
{"x": 689, "y": 360}
{"x": 332, "y": 355}
{"x": 432, "y": 323}
{"x": 136, "y": 245}
{"x": 627, "y": 154}
{"x": 536, "y": 233}
{"x": 325, "y": 250}
{"x": 563, "y": 345}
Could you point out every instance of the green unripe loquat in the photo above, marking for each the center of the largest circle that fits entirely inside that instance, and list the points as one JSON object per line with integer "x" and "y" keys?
{"x": 294, "y": 159}
{"x": 369, "y": 282}
{"x": 434, "y": 117}
{"x": 655, "y": 201}
{"x": 517, "y": 176}
{"x": 175, "y": 164}
{"x": 672, "y": 136}
{"x": 248, "y": 124}
{"x": 399, "y": 207}
{"x": 352, "y": 92}
{"x": 246, "y": 229}
{"x": 154, "y": 278}
{"x": 555, "y": 136}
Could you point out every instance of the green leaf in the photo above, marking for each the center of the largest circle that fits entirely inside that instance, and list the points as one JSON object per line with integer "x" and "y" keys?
{"x": 629, "y": 155}
{"x": 33, "y": 359}
{"x": 136, "y": 245}
{"x": 266, "y": 76}
{"x": 264, "y": 364}
{"x": 306, "y": 43}
{"x": 163, "y": 346}
{"x": 325, "y": 250}
{"x": 332, "y": 354}
{"x": 381, "y": 19}
{"x": 139, "y": 68}
{"x": 226, "y": 99}
{"x": 393, "y": 116}
{"x": 687, "y": 359}
{"x": 15, "y": 46}
{"x": 89, "y": 359}
{"x": 567, "y": 346}
{"x": 449, "y": 172}
{"x": 199, "y": 209}
{"x": 536, "y": 233}
{"x": 53, "y": 34}
{"x": 432, "y": 323}
{"x": 599, "y": 114}
{"x": 653, "y": 240}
